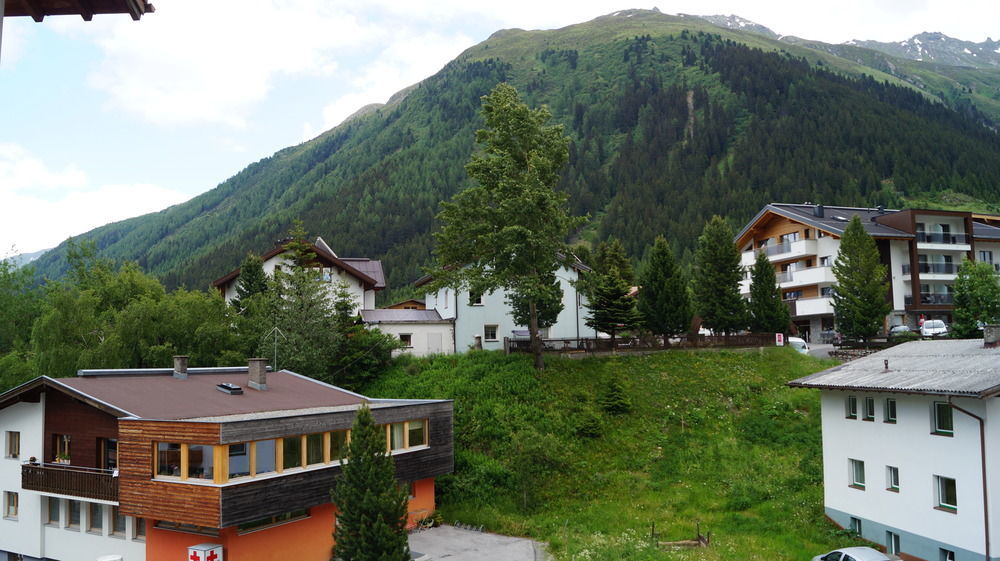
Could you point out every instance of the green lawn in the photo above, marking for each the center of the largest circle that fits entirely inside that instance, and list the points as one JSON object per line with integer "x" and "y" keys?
{"x": 711, "y": 437}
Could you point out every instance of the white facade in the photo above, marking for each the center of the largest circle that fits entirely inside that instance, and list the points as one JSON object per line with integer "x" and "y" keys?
{"x": 424, "y": 338}
{"x": 490, "y": 317}
{"x": 31, "y": 534}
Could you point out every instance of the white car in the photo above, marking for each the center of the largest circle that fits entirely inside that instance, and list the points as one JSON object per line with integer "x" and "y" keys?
{"x": 853, "y": 554}
{"x": 933, "y": 328}
{"x": 799, "y": 344}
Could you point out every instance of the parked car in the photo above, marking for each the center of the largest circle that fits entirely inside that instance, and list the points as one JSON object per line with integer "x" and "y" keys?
{"x": 899, "y": 330}
{"x": 799, "y": 344}
{"x": 853, "y": 554}
{"x": 933, "y": 328}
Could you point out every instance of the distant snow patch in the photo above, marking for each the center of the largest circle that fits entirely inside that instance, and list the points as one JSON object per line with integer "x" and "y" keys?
{"x": 616, "y": 14}
{"x": 915, "y": 40}
{"x": 967, "y": 51}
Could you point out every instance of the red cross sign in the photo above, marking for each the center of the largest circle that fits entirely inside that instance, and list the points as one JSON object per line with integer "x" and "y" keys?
{"x": 205, "y": 552}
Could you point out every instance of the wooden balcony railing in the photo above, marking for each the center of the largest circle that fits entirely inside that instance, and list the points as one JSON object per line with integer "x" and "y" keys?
{"x": 64, "y": 479}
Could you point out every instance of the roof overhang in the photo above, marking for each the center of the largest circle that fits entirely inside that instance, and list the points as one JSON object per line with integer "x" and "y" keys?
{"x": 39, "y": 9}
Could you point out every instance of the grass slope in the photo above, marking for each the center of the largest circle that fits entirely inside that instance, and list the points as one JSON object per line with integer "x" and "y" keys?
{"x": 711, "y": 437}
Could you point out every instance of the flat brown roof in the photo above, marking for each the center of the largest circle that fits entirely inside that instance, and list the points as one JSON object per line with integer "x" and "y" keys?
{"x": 162, "y": 396}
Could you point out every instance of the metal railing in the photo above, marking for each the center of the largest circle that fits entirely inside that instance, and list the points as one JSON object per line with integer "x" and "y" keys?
{"x": 591, "y": 345}
{"x": 939, "y": 237}
{"x": 933, "y": 268}
{"x": 65, "y": 479}
{"x": 930, "y": 298}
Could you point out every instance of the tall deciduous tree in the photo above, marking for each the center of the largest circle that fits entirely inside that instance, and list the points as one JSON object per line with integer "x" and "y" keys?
{"x": 371, "y": 518}
{"x": 663, "y": 298}
{"x": 859, "y": 301}
{"x": 767, "y": 313}
{"x": 509, "y": 229}
{"x": 977, "y": 298}
{"x": 717, "y": 274}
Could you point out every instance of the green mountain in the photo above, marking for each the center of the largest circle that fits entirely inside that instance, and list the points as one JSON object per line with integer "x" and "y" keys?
{"x": 672, "y": 119}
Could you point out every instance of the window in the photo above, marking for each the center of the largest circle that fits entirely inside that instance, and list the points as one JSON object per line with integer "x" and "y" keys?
{"x": 406, "y": 339}
{"x": 855, "y": 525}
{"x": 201, "y": 461}
{"x": 73, "y": 509}
{"x": 490, "y": 332}
{"x": 891, "y": 543}
{"x": 10, "y": 505}
{"x": 13, "y": 449}
{"x": 168, "y": 459}
{"x": 857, "y": 474}
{"x": 789, "y": 238}
{"x": 264, "y": 451}
{"x": 475, "y": 299}
{"x": 826, "y": 261}
{"x": 95, "y": 518}
{"x": 943, "y": 422}
{"x": 947, "y": 498}
{"x": 109, "y": 453}
{"x": 826, "y": 291}
{"x": 139, "y": 529}
{"x": 52, "y": 515}
{"x": 946, "y": 554}
{"x": 446, "y": 298}
{"x": 338, "y": 445}
{"x": 890, "y": 410}
{"x": 869, "y": 409}
{"x": 418, "y": 433}
{"x": 314, "y": 448}
{"x": 272, "y": 520}
{"x": 792, "y": 295}
{"x": 60, "y": 446}
{"x": 117, "y": 522}
{"x": 291, "y": 452}
{"x": 239, "y": 460}
{"x": 852, "y": 407}
{"x": 183, "y": 527}
{"x": 397, "y": 432}
{"x": 986, "y": 256}
{"x": 892, "y": 478}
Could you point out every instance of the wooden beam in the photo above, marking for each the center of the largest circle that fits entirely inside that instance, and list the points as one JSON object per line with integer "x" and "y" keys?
{"x": 86, "y": 9}
{"x": 135, "y": 8}
{"x": 34, "y": 9}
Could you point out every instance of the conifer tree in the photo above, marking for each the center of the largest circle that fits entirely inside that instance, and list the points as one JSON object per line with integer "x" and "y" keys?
{"x": 767, "y": 313}
{"x": 859, "y": 301}
{"x": 663, "y": 298}
{"x": 977, "y": 298}
{"x": 610, "y": 256}
{"x": 611, "y": 308}
{"x": 371, "y": 517}
{"x": 252, "y": 280}
{"x": 717, "y": 277}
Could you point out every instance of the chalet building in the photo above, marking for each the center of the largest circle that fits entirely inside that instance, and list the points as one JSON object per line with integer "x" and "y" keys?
{"x": 910, "y": 448}
{"x": 922, "y": 249}
{"x": 484, "y": 320}
{"x": 199, "y": 463}
{"x": 363, "y": 277}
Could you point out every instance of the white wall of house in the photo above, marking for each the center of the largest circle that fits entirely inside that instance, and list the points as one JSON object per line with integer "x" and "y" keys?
{"x": 65, "y": 542}
{"x": 993, "y": 248}
{"x": 22, "y": 535}
{"x": 473, "y": 319}
{"x": 363, "y": 299}
{"x": 425, "y": 338}
{"x": 899, "y": 255}
{"x": 919, "y": 455}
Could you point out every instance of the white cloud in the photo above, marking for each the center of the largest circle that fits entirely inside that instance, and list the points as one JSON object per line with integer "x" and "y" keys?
{"x": 44, "y": 206}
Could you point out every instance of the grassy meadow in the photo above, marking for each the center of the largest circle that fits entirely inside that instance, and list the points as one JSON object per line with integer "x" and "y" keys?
{"x": 588, "y": 454}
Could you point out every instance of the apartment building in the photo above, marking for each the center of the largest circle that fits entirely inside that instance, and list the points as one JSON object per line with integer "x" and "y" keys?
{"x": 921, "y": 248}
{"x": 909, "y": 452}
{"x": 199, "y": 463}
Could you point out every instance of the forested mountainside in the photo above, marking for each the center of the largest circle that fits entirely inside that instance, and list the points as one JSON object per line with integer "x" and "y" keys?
{"x": 671, "y": 119}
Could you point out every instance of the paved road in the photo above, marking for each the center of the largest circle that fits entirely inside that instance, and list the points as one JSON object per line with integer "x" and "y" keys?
{"x": 820, "y": 351}
{"x": 453, "y": 544}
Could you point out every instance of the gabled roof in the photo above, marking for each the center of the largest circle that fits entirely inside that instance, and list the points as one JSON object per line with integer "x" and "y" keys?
{"x": 958, "y": 367}
{"x": 386, "y": 315}
{"x": 576, "y": 265}
{"x": 325, "y": 256}
{"x": 370, "y": 267}
{"x": 834, "y": 220}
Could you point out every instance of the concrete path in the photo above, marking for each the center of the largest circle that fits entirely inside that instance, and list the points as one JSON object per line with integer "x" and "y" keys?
{"x": 453, "y": 544}
{"x": 820, "y": 350}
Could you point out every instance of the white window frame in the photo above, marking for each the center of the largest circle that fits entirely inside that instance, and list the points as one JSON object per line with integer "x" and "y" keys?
{"x": 946, "y": 554}
{"x": 12, "y": 444}
{"x": 940, "y": 490}
{"x": 892, "y": 543}
{"x": 408, "y": 342}
{"x": 936, "y": 408}
{"x": 855, "y": 525}
{"x": 890, "y": 410}
{"x": 851, "y": 407}
{"x": 892, "y": 478}
{"x": 11, "y": 502}
{"x": 869, "y": 412}
{"x": 496, "y": 330}
{"x": 854, "y": 469}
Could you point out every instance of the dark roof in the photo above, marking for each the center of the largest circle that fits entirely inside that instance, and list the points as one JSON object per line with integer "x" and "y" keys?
{"x": 38, "y": 9}
{"x": 323, "y": 255}
{"x": 162, "y": 396}
{"x": 834, "y": 219}
{"x": 370, "y": 267}
{"x": 960, "y": 367}
{"x": 985, "y": 231}
{"x": 580, "y": 266}
{"x": 386, "y": 315}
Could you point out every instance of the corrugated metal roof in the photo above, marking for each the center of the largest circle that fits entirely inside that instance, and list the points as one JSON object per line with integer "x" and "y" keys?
{"x": 387, "y": 315}
{"x": 945, "y": 367}
{"x": 985, "y": 231}
{"x": 370, "y": 267}
{"x": 836, "y": 218}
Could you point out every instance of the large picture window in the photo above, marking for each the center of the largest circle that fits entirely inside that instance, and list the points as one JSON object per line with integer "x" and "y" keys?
{"x": 168, "y": 459}
{"x": 265, "y": 454}
{"x": 201, "y": 462}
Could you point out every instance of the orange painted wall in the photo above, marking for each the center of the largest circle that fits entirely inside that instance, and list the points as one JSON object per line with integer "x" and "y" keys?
{"x": 309, "y": 539}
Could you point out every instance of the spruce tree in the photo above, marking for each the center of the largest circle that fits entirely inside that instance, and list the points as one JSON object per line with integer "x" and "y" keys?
{"x": 610, "y": 256}
{"x": 767, "y": 313}
{"x": 859, "y": 301}
{"x": 977, "y": 298}
{"x": 252, "y": 280}
{"x": 663, "y": 298}
{"x": 371, "y": 506}
{"x": 611, "y": 308}
{"x": 717, "y": 277}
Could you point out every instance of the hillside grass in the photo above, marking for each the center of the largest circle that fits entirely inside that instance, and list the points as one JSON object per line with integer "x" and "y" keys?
{"x": 710, "y": 437}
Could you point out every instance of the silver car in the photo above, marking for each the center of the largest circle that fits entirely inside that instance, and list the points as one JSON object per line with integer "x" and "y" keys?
{"x": 933, "y": 328}
{"x": 853, "y": 554}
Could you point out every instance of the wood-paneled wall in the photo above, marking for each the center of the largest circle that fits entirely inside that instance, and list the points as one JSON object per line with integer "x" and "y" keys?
{"x": 83, "y": 423}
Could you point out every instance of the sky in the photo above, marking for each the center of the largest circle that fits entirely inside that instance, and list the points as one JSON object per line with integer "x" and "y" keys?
{"x": 112, "y": 118}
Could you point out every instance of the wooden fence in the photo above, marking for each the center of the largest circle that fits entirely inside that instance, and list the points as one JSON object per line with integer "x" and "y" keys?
{"x": 646, "y": 343}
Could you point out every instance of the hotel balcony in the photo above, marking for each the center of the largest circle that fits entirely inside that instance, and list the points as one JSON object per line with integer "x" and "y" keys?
{"x": 932, "y": 271}
{"x": 75, "y": 481}
{"x": 822, "y": 305}
{"x": 782, "y": 251}
{"x": 931, "y": 298}
{"x": 805, "y": 277}
{"x": 937, "y": 240}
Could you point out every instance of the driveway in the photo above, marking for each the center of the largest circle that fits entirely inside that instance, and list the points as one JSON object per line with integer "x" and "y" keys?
{"x": 820, "y": 350}
{"x": 454, "y": 544}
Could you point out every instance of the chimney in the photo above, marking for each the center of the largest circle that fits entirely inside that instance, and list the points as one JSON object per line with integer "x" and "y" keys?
{"x": 991, "y": 336}
{"x": 181, "y": 367}
{"x": 818, "y": 211}
{"x": 258, "y": 374}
